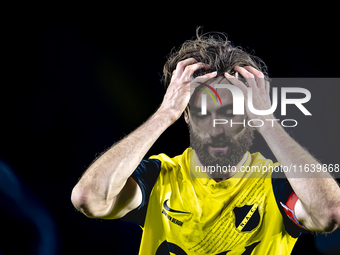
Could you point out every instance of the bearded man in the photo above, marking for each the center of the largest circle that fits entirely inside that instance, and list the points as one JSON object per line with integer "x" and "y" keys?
{"x": 185, "y": 208}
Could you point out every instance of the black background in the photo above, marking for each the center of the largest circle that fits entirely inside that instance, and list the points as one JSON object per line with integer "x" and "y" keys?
{"x": 79, "y": 78}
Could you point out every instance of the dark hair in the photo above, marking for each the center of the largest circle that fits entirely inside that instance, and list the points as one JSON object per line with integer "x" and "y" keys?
{"x": 213, "y": 49}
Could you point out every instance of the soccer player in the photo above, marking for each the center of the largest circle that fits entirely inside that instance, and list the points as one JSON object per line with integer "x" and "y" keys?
{"x": 185, "y": 211}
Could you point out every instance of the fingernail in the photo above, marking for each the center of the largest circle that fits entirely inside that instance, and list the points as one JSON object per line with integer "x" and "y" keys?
{"x": 227, "y": 74}
{"x": 214, "y": 73}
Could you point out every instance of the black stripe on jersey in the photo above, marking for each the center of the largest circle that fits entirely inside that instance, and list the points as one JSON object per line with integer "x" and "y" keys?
{"x": 145, "y": 175}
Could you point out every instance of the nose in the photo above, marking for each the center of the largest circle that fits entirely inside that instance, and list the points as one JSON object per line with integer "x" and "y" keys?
{"x": 216, "y": 131}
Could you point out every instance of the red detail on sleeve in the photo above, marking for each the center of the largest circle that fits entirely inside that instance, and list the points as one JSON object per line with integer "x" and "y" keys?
{"x": 293, "y": 198}
{"x": 289, "y": 209}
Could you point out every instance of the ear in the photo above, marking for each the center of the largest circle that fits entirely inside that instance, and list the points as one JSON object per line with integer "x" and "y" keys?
{"x": 186, "y": 115}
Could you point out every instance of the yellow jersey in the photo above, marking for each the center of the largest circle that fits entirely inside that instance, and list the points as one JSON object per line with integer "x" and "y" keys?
{"x": 184, "y": 214}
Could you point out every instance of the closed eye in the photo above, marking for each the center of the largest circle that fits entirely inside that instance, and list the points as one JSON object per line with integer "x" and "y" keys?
{"x": 198, "y": 114}
{"x": 226, "y": 110}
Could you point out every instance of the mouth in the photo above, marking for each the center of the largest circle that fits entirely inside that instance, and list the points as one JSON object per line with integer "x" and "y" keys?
{"x": 220, "y": 147}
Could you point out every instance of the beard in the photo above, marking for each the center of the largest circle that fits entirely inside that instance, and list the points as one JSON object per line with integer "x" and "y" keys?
{"x": 237, "y": 147}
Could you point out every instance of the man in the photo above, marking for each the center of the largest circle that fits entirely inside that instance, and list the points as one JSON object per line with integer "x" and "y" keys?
{"x": 185, "y": 209}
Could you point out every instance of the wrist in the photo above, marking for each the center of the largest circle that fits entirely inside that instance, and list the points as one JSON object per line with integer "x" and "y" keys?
{"x": 166, "y": 115}
{"x": 271, "y": 126}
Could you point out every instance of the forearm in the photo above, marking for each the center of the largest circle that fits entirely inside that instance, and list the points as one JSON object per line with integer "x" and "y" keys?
{"x": 105, "y": 189}
{"x": 106, "y": 177}
{"x": 318, "y": 205}
{"x": 318, "y": 192}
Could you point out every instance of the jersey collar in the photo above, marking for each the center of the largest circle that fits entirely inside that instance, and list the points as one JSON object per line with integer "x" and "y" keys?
{"x": 206, "y": 180}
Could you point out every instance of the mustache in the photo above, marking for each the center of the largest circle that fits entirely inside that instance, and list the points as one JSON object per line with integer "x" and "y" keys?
{"x": 220, "y": 140}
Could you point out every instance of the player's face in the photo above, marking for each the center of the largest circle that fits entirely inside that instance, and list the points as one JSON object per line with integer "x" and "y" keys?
{"x": 224, "y": 144}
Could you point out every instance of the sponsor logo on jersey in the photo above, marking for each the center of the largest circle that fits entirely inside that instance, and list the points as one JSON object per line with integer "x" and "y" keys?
{"x": 167, "y": 209}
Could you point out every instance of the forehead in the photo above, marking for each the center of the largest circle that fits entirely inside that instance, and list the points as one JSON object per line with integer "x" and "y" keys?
{"x": 223, "y": 93}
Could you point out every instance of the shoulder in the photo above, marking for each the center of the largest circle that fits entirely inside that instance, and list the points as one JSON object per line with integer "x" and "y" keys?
{"x": 173, "y": 162}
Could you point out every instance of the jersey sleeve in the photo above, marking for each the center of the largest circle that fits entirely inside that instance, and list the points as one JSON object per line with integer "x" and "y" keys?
{"x": 145, "y": 175}
{"x": 286, "y": 198}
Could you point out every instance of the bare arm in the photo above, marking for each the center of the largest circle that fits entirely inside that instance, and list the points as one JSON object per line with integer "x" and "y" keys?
{"x": 318, "y": 207}
{"x": 106, "y": 189}
{"x": 98, "y": 191}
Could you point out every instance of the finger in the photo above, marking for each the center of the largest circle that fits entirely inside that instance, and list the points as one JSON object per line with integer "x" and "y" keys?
{"x": 198, "y": 81}
{"x": 267, "y": 85}
{"x": 247, "y": 75}
{"x": 233, "y": 80}
{"x": 190, "y": 69}
{"x": 259, "y": 76}
{"x": 207, "y": 75}
{"x": 182, "y": 65}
